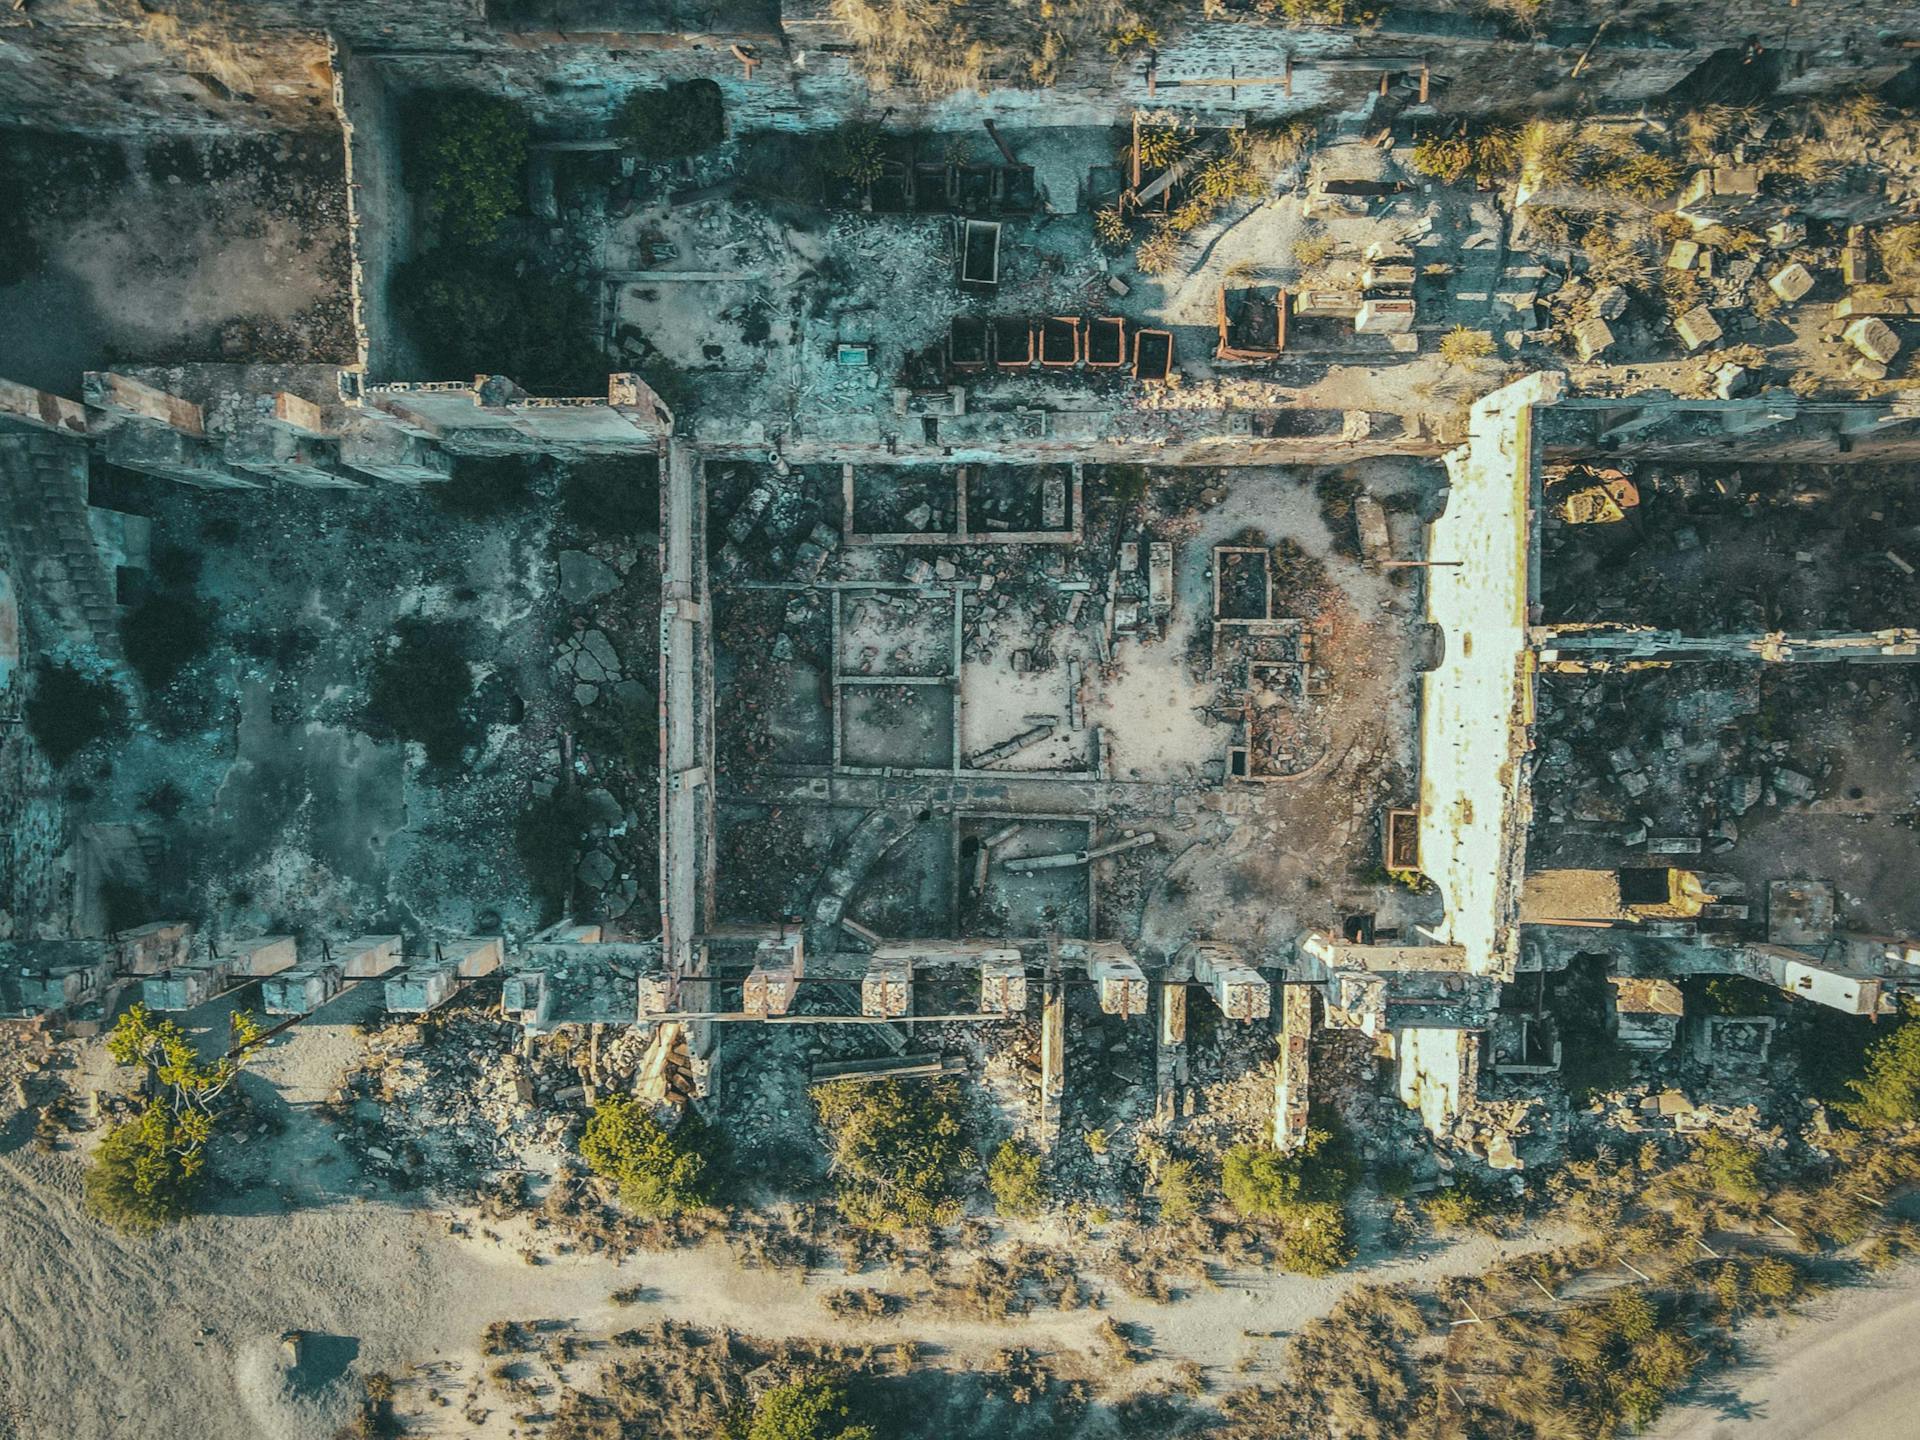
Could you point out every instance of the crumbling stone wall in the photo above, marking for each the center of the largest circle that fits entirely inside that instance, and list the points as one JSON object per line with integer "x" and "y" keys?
{"x": 174, "y": 66}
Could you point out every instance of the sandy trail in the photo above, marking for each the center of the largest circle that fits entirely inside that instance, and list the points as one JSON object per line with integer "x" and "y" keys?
{"x": 103, "y": 1335}
{"x": 1843, "y": 1370}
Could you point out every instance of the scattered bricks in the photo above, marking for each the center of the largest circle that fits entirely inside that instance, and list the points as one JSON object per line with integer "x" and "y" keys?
{"x": 1873, "y": 338}
{"x": 1697, "y": 328}
{"x": 1610, "y": 301}
{"x": 1791, "y": 283}
{"x": 1591, "y": 336}
{"x": 1684, "y": 255}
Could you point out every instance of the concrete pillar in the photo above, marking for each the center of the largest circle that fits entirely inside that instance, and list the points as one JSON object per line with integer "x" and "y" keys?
{"x": 1123, "y": 989}
{"x": 1003, "y": 984}
{"x": 368, "y": 956}
{"x": 887, "y": 988}
{"x": 1170, "y": 1056}
{"x": 1291, "y": 1075}
{"x": 1240, "y": 991}
{"x": 1053, "y": 1060}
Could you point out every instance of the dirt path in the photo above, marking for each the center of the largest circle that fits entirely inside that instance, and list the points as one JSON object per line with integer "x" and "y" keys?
{"x": 177, "y": 1336}
{"x": 1843, "y": 1371}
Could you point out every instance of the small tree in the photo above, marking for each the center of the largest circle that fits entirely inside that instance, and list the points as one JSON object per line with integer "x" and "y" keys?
{"x": 69, "y": 710}
{"x": 148, "y": 1171}
{"x": 659, "y": 1172}
{"x": 1305, "y": 1189}
{"x": 1177, "y": 1190}
{"x": 1013, "y": 1175}
{"x": 899, "y": 1151}
{"x": 811, "y": 1409}
{"x": 468, "y": 154}
{"x": 683, "y": 119}
{"x": 1733, "y": 1168}
{"x": 1890, "y": 1090}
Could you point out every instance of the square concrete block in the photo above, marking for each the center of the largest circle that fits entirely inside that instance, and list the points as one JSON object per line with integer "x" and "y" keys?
{"x": 1591, "y": 336}
{"x": 1792, "y": 282}
{"x": 1874, "y": 339}
{"x": 1697, "y": 327}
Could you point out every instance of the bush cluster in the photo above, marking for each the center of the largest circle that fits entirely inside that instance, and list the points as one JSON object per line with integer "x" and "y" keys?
{"x": 659, "y": 1171}
{"x": 1305, "y": 1189}
{"x": 899, "y": 1151}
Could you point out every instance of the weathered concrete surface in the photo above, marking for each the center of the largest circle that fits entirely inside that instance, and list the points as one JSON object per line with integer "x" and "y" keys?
{"x": 1475, "y": 705}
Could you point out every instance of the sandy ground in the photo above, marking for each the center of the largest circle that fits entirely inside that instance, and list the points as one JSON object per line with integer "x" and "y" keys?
{"x": 1846, "y": 1370}
{"x": 103, "y": 1335}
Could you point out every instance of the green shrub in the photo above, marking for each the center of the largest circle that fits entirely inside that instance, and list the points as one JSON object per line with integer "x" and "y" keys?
{"x": 1461, "y": 346}
{"x": 1446, "y": 158}
{"x": 899, "y": 1151}
{"x": 1013, "y": 1175}
{"x": 69, "y": 710}
{"x": 1774, "y": 1278}
{"x": 856, "y": 153}
{"x": 139, "y": 1179}
{"x": 166, "y": 632}
{"x": 1316, "y": 1241}
{"x": 683, "y": 119}
{"x": 1733, "y": 1168}
{"x": 1456, "y": 1207}
{"x": 1264, "y": 1183}
{"x": 811, "y": 1409}
{"x": 467, "y": 153}
{"x": 659, "y": 1172}
{"x": 472, "y": 313}
{"x": 148, "y": 1171}
{"x": 1177, "y": 1191}
{"x": 1305, "y": 1189}
{"x": 1889, "y": 1093}
{"x": 420, "y": 688}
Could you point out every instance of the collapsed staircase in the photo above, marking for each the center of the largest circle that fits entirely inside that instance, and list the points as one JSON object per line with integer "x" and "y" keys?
{"x": 44, "y": 478}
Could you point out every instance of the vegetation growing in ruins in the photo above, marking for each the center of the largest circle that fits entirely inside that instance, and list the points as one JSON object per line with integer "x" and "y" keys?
{"x": 1888, "y": 1095}
{"x": 474, "y": 313}
{"x": 1461, "y": 346}
{"x": 856, "y": 153}
{"x": 69, "y": 710}
{"x": 467, "y": 153}
{"x": 811, "y": 1409}
{"x": 149, "y": 1170}
{"x": 1550, "y": 153}
{"x": 1013, "y": 1177}
{"x": 1732, "y": 1165}
{"x": 658, "y": 1171}
{"x": 1305, "y": 1189}
{"x": 164, "y": 633}
{"x": 683, "y": 119}
{"x": 420, "y": 687}
{"x": 898, "y": 1151}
